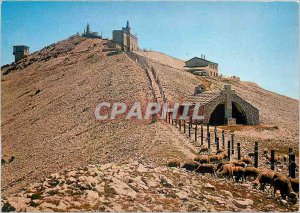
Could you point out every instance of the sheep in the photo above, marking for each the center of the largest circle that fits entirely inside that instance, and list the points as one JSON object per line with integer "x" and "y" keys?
{"x": 252, "y": 172}
{"x": 226, "y": 170}
{"x": 219, "y": 166}
{"x": 207, "y": 168}
{"x": 246, "y": 160}
{"x": 202, "y": 159}
{"x": 238, "y": 163}
{"x": 251, "y": 154}
{"x": 220, "y": 151}
{"x": 203, "y": 149}
{"x": 295, "y": 184}
{"x": 265, "y": 177}
{"x": 223, "y": 155}
{"x": 174, "y": 163}
{"x": 238, "y": 172}
{"x": 283, "y": 184}
{"x": 190, "y": 166}
{"x": 215, "y": 158}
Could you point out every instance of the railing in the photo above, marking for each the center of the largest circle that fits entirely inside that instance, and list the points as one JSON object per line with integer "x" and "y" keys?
{"x": 146, "y": 66}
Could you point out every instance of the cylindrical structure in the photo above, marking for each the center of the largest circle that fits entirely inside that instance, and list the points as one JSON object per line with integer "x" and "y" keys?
{"x": 201, "y": 134}
{"x": 256, "y": 154}
{"x": 217, "y": 143}
{"x": 228, "y": 150}
{"x": 208, "y": 140}
{"x": 196, "y": 132}
{"x": 272, "y": 159}
{"x": 190, "y": 129}
{"x": 215, "y": 131}
{"x": 179, "y": 124}
{"x": 207, "y": 129}
{"x": 223, "y": 139}
{"x": 290, "y": 152}
{"x": 292, "y": 166}
{"x": 239, "y": 151}
{"x": 232, "y": 143}
{"x": 184, "y": 127}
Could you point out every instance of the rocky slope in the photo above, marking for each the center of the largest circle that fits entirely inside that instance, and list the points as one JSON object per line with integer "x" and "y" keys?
{"x": 48, "y": 126}
{"x": 138, "y": 187}
{"x": 48, "y": 121}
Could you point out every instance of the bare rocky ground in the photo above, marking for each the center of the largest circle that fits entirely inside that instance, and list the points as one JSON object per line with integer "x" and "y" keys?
{"x": 48, "y": 126}
{"x": 138, "y": 187}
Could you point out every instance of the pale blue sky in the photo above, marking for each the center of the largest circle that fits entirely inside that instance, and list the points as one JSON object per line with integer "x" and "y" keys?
{"x": 255, "y": 41}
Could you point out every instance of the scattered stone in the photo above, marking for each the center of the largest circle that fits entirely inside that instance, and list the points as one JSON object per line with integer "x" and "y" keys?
{"x": 243, "y": 203}
{"x": 182, "y": 195}
{"x": 106, "y": 166}
{"x": 209, "y": 186}
{"x": 227, "y": 193}
{"x": 112, "y": 187}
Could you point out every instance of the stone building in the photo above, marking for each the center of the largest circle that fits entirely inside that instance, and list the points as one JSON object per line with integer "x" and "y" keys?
{"x": 20, "y": 52}
{"x": 126, "y": 39}
{"x": 201, "y": 66}
{"x": 221, "y": 107}
{"x": 89, "y": 34}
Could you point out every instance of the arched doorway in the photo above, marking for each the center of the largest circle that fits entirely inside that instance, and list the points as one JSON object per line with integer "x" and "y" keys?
{"x": 239, "y": 114}
{"x": 217, "y": 117}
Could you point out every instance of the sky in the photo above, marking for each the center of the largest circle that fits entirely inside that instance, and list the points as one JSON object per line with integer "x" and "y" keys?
{"x": 257, "y": 41}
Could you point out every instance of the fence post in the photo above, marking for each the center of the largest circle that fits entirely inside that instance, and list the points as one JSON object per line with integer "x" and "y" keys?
{"x": 239, "y": 151}
{"x": 189, "y": 129}
{"x": 184, "y": 126}
{"x": 207, "y": 129}
{"x": 169, "y": 115}
{"x": 208, "y": 140}
{"x": 215, "y": 131}
{"x": 223, "y": 139}
{"x": 232, "y": 143}
{"x": 272, "y": 159}
{"x": 290, "y": 152}
{"x": 293, "y": 166}
{"x": 176, "y": 122}
{"x": 256, "y": 154}
{"x": 228, "y": 150}
{"x": 179, "y": 124}
{"x": 172, "y": 121}
{"x": 196, "y": 132}
{"x": 217, "y": 143}
{"x": 201, "y": 134}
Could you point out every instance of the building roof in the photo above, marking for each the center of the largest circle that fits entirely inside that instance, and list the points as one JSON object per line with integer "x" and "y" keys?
{"x": 204, "y": 97}
{"x": 210, "y": 62}
{"x": 21, "y": 46}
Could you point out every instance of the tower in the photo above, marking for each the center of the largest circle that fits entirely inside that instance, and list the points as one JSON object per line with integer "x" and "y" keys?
{"x": 87, "y": 28}
{"x": 20, "y": 52}
{"x": 128, "y": 27}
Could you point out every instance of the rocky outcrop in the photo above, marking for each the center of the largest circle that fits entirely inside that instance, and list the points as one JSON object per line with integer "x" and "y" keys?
{"x": 133, "y": 186}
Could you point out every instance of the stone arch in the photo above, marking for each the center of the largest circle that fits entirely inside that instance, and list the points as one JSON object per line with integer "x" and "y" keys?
{"x": 239, "y": 113}
{"x": 217, "y": 116}
{"x": 244, "y": 112}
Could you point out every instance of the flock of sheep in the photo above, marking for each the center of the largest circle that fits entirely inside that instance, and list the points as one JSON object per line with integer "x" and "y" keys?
{"x": 242, "y": 170}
